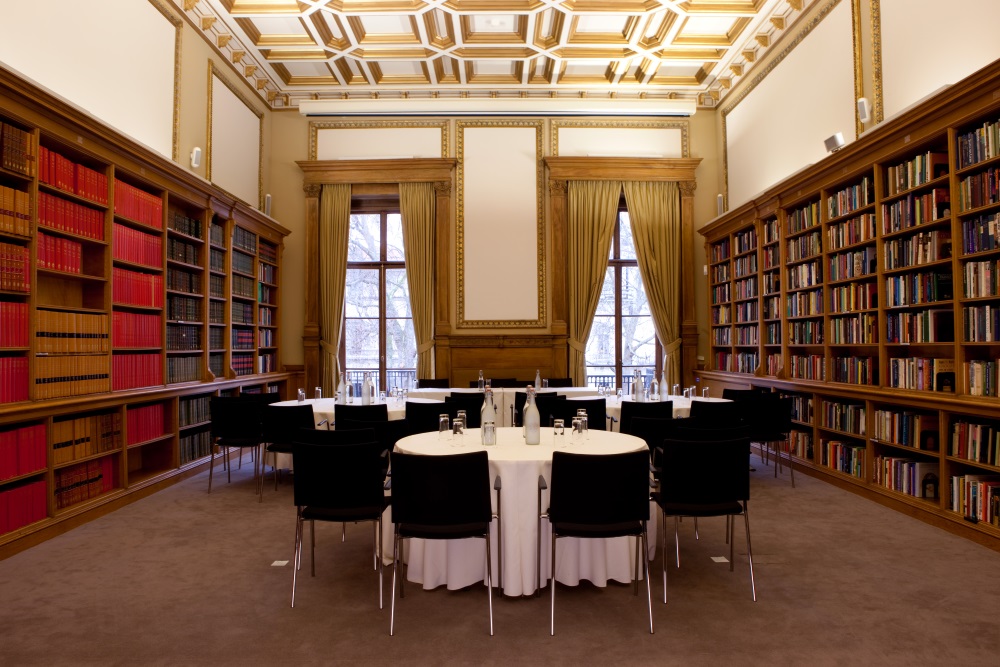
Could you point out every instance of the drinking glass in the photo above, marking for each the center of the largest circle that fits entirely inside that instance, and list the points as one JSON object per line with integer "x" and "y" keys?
{"x": 301, "y": 394}
{"x": 444, "y": 427}
{"x": 577, "y": 430}
{"x": 676, "y": 390}
{"x": 618, "y": 394}
{"x": 318, "y": 392}
{"x": 704, "y": 392}
{"x": 381, "y": 397}
{"x": 558, "y": 427}
{"x": 581, "y": 414}
{"x": 458, "y": 430}
{"x": 545, "y": 384}
{"x": 600, "y": 391}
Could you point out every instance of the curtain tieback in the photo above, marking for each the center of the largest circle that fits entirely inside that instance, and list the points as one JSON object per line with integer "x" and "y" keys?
{"x": 425, "y": 347}
{"x": 672, "y": 346}
{"x": 576, "y": 345}
{"x": 327, "y": 347}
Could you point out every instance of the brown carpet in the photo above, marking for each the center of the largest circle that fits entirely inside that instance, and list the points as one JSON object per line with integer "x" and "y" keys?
{"x": 186, "y": 578}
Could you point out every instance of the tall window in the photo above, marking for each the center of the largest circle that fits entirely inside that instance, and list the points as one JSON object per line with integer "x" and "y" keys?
{"x": 378, "y": 325}
{"x": 622, "y": 338}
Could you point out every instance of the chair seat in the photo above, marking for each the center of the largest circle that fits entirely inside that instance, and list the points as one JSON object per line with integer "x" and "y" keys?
{"x": 448, "y": 532}
{"x": 597, "y": 531}
{"x": 279, "y": 447}
{"x": 238, "y": 442}
{"x": 342, "y": 514}
{"x": 697, "y": 509}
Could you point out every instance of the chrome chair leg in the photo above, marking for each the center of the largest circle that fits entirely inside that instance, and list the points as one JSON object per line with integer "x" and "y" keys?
{"x": 696, "y": 529}
{"x": 663, "y": 552}
{"x": 731, "y": 525}
{"x": 381, "y": 567}
{"x": 635, "y": 572}
{"x": 395, "y": 567}
{"x": 746, "y": 520}
{"x": 312, "y": 546}
{"x": 489, "y": 579}
{"x": 552, "y": 609}
{"x": 677, "y": 541}
{"x": 211, "y": 465}
{"x": 645, "y": 569}
{"x": 296, "y": 554}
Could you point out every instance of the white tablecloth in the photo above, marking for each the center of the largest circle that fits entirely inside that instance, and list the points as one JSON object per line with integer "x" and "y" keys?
{"x": 504, "y": 397}
{"x": 460, "y": 563}
{"x": 681, "y": 404}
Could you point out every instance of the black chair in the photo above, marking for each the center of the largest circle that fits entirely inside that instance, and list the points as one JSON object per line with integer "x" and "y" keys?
{"x": 652, "y": 409}
{"x": 704, "y": 479}
{"x": 719, "y": 411}
{"x": 279, "y": 426}
{"x": 371, "y": 413}
{"x": 386, "y": 433}
{"x": 770, "y": 423}
{"x": 422, "y": 417}
{"x": 471, "y": 402}
{"x": 340, "y": 484}
{"x": 597, "y": 412}
{"x": 744, "y": 394}
{"x": 235, "y": 423}
{"x": 595, "y": 496}
{"x": 442, "y": 498}
{"x": 506, "y": 383}
{"x": 433, "y": 383}
{"x": 521, "y": 397}
{"x": 560, "y": 382}
{"x": 319, "y": 436}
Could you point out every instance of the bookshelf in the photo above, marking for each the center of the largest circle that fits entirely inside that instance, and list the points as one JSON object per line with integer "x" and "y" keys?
{"x": 879, "y": 308}
{"x": 131, "y": 292}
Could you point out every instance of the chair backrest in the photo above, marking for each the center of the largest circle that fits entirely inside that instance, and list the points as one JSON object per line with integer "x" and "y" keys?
{"x": 507, "y": 383}
{"x": 598, "y": 489}
{"x": 372, "y": 412}
{"x": 233, "y": 417}
{"x": 722, "y": 411}
{"x": 441, "y": 490}
{"x": 281, "y": 423}
{"x": 521, "y": 397}
{"x": 651, "y": 429}
{"x": 768, "y": 418}
{"x": 472, "y": 403}
{"x": 335, "y": 438}
{"x": 704, "y": 471}
{"x": 560, "y": 382}
{"x": 264, "y": 397}
{"x": 433, "y": 383}
{"x": 386, "y": 433}
{"x": 344, "y": 477}
{"x": 744, "y": 394}
{"x": 706, "y": 429}
{"x": 423, "y": 417}
{"x": 653, "y": 409}
{"x": 597, "y": 412}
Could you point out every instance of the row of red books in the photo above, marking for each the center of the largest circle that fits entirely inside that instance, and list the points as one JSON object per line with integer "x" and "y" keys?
{"x": 22, "y": 505}
{"x": 138, "y": 205}
{"x": 136, "y": 330}
{"x": 84, "y": 481}
{"x": 22, "y": 451}
{"x": 67, "y": 216}
{"x": 59, "y": 254}
{"x": 13, "y": 324}
{"x": 133, "y": 245}
{"x": 15, "y": 211}
{"x": 60, "y": 376}
{"x": 61, "y": 172}
{"x": 130, "y": 371}
{"x": 137, "y": 289}
{"x": 146, "y": 423}
{"x": 17, "y": 150}
{"x": 13, "y": 379}
{"x": 15, "y": 268}
{"x": 80, "y": 437}
{"x": 59, "y": 332}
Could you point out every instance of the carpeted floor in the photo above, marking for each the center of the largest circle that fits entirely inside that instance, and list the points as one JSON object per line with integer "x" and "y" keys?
{"x": 186, "y": 578}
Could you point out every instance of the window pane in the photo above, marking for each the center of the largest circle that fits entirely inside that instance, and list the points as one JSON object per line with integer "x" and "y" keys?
{"x": 598, "y": 376}
{"x": 397, "y": 293}
{"x": 634, "y": 300}
{"x": 394, "y": 238}
{"x": 361, "y": 343}
{"x": 363, "y": 243}
{"x": 606, "y": 303}
{"x": 627, "y": 245}
{"x": 361, "y": 295}
{"x": 638, "y": 342}
{"x": 601, "y": 343}
{"x": 400, "y": 344}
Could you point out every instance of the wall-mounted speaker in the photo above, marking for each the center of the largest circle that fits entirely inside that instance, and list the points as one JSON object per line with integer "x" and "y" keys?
{"x": 834, "y": 143}
{"x": 195, "y": 157}
{"x": 267, "y": 205}
{"x": 864, "y": 110}
{"x": 720, "y": 204}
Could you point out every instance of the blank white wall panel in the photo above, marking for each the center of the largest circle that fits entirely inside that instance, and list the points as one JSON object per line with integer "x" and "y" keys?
{"x": 499, "y": 218}
{"x": 375, "y": 143}
{"x": 927, "y": 44}
{"x": 621, "y": 141}
{"x": 235, "y": 138}
{"x": 113, "y": 59}
{"x": 779, "y": 127}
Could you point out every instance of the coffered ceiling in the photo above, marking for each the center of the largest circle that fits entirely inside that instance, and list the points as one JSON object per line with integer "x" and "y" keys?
{"x": 294, "y": 50}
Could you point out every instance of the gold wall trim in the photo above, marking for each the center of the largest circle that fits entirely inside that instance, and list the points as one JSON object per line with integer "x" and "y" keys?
{"x": 460, "y": 224}
{"x": 316, "y": 126}
{"x": 755, "y": 81}
{"x": 178, "y": 24}
{"x": 215, "y": 73}
{"x": 682, "y": 125}
{"x": 876, "y": 10}
{"x": 859, "y": 83}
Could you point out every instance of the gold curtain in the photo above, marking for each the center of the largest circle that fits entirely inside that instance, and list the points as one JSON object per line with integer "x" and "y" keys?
{"x": 591, "y": 210}
{"x": 334, "y": 231}
{"x": 655, "y": 211}
{"x": 417, "y": 206}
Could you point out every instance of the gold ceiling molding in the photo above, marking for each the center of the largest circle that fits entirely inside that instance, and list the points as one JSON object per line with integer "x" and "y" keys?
{"x": 316, "y": 126}
{"x": 460, "y": 128}
{"x": 683, "y": 125}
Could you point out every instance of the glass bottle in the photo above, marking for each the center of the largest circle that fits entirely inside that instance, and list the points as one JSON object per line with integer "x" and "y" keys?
{"x": 488, "y": 420}
{"x": 538, "y": 379}
{"x": 654, "y": 389}
{"x": 664, "y": 388}
{"x": 532, "y": 420}
{"x": 366, "y": 390}
{"x": 482, "y": 381}
{"x": 342, "y": 389}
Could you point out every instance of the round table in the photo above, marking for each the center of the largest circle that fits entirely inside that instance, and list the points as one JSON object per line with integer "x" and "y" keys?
{"x": 681, "y": 405}
{"x": 460, "y": 563}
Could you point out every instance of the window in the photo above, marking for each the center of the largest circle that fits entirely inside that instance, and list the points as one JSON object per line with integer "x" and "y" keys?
{"x": 622, "y": 338}
{"x": 378, "y": 325}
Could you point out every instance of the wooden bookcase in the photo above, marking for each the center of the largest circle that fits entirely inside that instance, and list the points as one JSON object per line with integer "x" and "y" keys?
{"x": 867, "y": 287}
{"x": 130, "y": 293}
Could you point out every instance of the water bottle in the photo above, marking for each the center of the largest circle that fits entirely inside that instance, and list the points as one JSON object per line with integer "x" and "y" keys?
{"x": 538, "y": 379}
{"x": 532, "y": 420}
{"x": 663, "y": 385}
{"x": 488, "y": 420}
{"x": 482, "y": 382}
{"x": 342, "y": 389}
{"x": 654, "y": 389}
{"x": 366, "y": 390}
